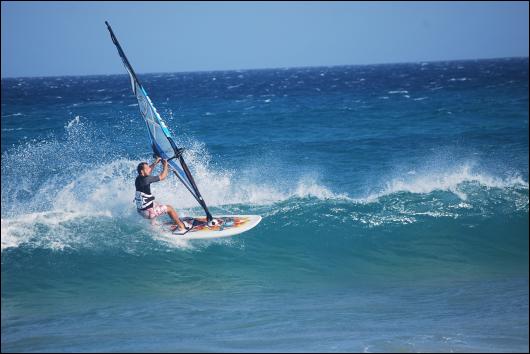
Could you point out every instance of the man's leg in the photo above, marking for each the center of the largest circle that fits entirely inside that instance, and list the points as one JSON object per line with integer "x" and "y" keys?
{"x": 175, "y": 217}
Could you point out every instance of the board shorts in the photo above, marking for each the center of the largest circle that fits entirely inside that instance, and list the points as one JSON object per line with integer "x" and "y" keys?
{"x": 153, "y": 212}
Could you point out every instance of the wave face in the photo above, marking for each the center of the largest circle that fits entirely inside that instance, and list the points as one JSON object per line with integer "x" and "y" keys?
{"x": 394, "y": 202}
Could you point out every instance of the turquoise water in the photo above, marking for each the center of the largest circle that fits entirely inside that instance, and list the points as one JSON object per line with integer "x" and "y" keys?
{"x": 394, "y": 202}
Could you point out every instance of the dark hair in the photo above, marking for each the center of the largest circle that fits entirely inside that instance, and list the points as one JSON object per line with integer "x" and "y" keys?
{"x": 140, "y": 167}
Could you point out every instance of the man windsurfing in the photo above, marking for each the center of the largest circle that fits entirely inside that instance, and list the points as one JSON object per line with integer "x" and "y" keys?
{"x": 145, "y": 201}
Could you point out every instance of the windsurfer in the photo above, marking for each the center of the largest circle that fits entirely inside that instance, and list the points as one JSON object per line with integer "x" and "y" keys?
{"x": 145, "y": 203}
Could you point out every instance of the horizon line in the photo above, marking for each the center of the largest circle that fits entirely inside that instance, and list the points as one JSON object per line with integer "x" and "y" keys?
{"x": 273, "y": 68}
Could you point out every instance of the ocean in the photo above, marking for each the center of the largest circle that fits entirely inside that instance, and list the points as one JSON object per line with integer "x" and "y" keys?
{"x": 394, "y": 200}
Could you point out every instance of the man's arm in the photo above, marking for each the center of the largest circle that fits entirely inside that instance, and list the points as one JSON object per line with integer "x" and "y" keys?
{"x": 163, "y": 175}
{"x": 155, "y": 163}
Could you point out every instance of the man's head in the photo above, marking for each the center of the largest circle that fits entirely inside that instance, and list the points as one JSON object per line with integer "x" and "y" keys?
{"x": 143, "y": 169}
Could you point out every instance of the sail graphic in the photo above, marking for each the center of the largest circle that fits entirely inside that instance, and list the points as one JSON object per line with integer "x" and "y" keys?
{"x": 160, "y": 137}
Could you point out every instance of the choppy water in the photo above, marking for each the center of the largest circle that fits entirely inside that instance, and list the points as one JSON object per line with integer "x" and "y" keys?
{"x": 394, "y": 202}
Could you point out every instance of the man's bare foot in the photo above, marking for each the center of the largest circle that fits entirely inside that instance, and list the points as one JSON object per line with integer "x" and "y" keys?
{"x": 176, "y": 227}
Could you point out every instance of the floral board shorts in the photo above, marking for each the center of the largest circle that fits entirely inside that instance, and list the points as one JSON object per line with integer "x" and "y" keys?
{"x": 153, "y": 212}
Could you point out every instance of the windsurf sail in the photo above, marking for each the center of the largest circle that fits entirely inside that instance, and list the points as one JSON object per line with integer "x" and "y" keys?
{"x": 160, "y": 137}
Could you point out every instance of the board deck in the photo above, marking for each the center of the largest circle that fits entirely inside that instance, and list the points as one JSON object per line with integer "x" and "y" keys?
{"x": 230, "y": 225}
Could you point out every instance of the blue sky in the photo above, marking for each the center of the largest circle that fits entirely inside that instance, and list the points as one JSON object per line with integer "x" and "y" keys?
{"x": 70, "y": 38}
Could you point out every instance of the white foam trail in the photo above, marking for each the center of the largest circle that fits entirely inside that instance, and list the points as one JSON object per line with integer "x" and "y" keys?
{"x": 25, "y": 229}
{"x": 169, "y": 239}
{"x": 108, "y": 191}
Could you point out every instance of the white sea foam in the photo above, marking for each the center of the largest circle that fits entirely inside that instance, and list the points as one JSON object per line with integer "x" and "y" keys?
{"x": 436, "y": 88}
{"x": 80, "y": 193}
{"x": 73, "y": 122}
{"x": 110, "y": 193}
{"x": 12, "y": 115}
{"x": 230, "y": 87}
{"x": 450, "y": 180}
{"x": 25, "y": 228}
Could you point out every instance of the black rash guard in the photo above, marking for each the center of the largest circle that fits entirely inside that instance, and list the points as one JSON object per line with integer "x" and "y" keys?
{"x": 143, "y": 184}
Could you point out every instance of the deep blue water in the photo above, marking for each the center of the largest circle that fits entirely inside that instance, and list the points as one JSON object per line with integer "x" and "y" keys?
{"x": 394, "y": 202}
